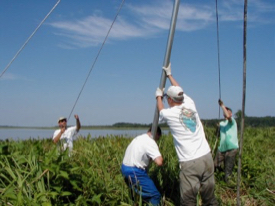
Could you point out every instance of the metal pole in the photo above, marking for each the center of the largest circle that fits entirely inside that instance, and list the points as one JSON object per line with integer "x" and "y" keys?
{"x": 166, "y": 60}
{"x": 243, "y": 106}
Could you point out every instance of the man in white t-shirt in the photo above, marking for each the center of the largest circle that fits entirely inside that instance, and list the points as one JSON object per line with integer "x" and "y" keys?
{"x": 195, "y": 160}
{"x": 66, "y": 134}
{"x": 138, "y": 155}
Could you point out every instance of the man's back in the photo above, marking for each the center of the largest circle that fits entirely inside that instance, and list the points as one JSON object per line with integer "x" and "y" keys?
{"x": 140, "y": 150}
{"x": 187, "y": 130}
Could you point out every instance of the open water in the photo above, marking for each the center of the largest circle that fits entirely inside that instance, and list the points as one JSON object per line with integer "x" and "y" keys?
{"x": 23, "y": 134}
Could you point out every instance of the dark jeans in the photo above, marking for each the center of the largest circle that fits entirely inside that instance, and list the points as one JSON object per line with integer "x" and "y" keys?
{"x": 228, "y": 159}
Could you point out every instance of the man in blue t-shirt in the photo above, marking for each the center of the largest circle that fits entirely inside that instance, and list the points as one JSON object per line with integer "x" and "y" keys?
{"x": 228, "y": 148}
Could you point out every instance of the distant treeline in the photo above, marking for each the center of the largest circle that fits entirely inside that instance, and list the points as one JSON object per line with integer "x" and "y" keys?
{"x": 135, "y": 125}
{"x": 249, "y": 122}
{"x": 267, "y": 121}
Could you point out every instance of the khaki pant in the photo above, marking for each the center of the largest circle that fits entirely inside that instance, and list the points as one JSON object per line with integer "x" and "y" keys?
{"x": 197, "y": 176}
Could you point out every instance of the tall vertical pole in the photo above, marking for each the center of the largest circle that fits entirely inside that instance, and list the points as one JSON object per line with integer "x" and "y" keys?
{"x": 243, "y": 105}
{"x": 166, "y": 60}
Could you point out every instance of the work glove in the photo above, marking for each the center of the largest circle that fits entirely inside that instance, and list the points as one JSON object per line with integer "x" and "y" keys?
{"x": 167, "y": 69}
{"x": 159, "y": 92}
{"x": 220, "y": 102}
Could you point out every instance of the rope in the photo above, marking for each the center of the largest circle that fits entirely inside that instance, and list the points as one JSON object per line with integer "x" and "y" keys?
{"x": 219, "y": 71}
{"x": 29, "y": 39}
{"x": 97, "y": 57}
{"x": 218, "y": 45}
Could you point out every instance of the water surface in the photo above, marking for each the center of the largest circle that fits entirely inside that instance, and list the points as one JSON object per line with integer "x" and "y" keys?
{"x": 27, "y": 133}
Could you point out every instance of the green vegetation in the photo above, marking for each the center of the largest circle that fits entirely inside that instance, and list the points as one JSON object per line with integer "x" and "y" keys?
{"x": 33, "y": 172}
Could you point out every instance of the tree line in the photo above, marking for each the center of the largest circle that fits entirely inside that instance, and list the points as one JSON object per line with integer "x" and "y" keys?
{"x": 267, "y": 121}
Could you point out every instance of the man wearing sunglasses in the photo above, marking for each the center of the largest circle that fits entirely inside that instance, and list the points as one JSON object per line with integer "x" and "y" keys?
{"x": 195, "y": 160}
{"x": 65, "y": 134}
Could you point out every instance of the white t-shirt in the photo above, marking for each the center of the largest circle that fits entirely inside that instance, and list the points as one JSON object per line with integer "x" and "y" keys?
{"x": 67, "y": 137}
{"x": 187, "y": 130}
{"x": 140, "y": 151}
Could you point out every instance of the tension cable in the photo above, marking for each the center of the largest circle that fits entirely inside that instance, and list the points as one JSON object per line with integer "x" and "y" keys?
{"x": 218, "y": 45}
{"x": 97, "y": 57}
{"x": 29, "y": 39}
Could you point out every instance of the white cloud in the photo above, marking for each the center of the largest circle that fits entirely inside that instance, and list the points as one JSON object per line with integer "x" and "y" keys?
{"x": 149, "y": 20}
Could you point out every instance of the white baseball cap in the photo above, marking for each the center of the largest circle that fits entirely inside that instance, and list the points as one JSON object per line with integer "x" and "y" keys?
{"x": 175, "y": 93}
{"x": 61, "y": 118}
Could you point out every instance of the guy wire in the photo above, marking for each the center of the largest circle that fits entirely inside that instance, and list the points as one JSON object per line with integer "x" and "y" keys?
{"x": 97, "y": 57}
{"x": 218, "y": 45}
{"x": 29, "y": 39}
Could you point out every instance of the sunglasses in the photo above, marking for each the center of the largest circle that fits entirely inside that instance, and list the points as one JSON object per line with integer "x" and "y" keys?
{"x": 166, "y": 96}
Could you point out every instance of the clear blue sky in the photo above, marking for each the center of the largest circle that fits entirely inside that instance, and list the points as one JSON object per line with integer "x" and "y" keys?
{"x": 46, "y": 78}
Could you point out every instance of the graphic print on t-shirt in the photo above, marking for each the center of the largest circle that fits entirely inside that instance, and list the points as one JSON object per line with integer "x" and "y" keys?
{"x": 188, "y": 119}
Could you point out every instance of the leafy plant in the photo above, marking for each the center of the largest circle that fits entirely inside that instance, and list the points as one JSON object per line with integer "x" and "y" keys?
{"x": 34, "y": 172}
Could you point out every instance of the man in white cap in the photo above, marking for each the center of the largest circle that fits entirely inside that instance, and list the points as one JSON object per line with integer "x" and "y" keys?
{"x": 195, "y": 160}
{"x": 66, "y": 134}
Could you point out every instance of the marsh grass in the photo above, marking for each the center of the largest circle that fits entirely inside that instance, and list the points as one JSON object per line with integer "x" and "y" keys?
{"x": 34, "y": 172}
